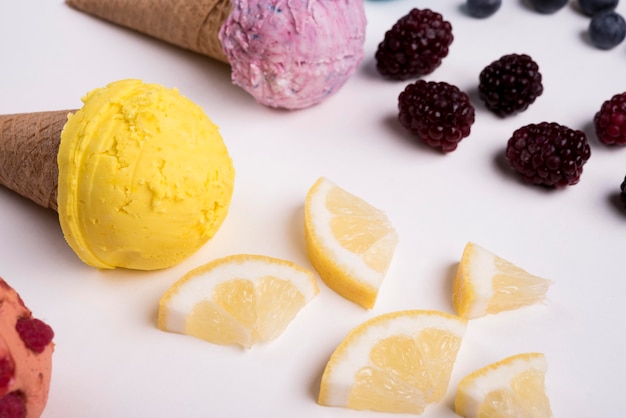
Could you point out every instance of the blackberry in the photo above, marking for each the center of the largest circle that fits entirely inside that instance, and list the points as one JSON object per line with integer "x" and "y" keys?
{"x": 483, "y": 8}
{"x": 610, "y": 121}
{"x": 438, "y": 113}
{"x": 607, "y": 30}
{"x": 548, "y": 6}
{"x": 414, "y": 46}
{"x": 548, "y": 154}
{"x": 510, "y": 84}
{"x": 592, "y": 7}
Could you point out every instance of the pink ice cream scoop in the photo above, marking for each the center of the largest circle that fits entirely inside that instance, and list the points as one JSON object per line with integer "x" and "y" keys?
{"x": 293, "y": 54}
{"x": 288, "y": 54}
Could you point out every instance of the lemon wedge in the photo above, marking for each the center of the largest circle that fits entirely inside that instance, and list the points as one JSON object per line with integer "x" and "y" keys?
{"x": 241, "y": 299}
{"x": 486, "y": 284}
{"x": 511, "y": 388}
{"x": 349, "y": 242}
{"x": 396, "y": 362}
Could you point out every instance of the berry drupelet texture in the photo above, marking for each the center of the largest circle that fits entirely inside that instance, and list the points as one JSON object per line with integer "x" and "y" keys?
{"x": 607, "y": 30}
{"x": 548, "y": 154}
{"x": 414, "y": 46}
{"x": 610, "y": 121}
{"x": 438, "y": 113}
{"x": 35, "y": 333}
{"x": 13, "y": 405}
{"x": 510, "y": 84}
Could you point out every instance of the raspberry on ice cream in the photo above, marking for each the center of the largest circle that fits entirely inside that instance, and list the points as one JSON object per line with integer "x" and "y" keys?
{"x": 610, "y": 121}
{"x": 438, "y": 113}
{"x": 414, "y": 46}
{"x": 548, "y": 154}
{"x": 26, "y": 349}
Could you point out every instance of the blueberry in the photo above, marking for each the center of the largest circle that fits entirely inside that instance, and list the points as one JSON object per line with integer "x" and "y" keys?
{"x": 547, "y": 6}
{"x": 483, "y": 8}
{"x": 607, "y": 30}
{"x": 592, "y": 7}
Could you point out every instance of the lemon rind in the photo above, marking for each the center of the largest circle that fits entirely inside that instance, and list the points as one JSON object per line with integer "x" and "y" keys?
{"x": 339, "y": 374}
{"x": 178, "y": 304}
{"x": 479, "y": 273}
{"x": 474, "y": 387}
{"x": 359, "y": 282}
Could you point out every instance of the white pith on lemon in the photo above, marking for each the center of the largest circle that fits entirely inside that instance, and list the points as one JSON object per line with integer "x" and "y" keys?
{"x": 486, "y": 284}
{"x": 349, "y": 242}
{"x": 511, "y": 388}
{"x": 241, "y": 299}
{"x": 397, "y": 362}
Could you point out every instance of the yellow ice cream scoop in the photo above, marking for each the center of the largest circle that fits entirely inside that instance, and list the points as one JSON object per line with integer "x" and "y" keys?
{"x": 144, "y": 177}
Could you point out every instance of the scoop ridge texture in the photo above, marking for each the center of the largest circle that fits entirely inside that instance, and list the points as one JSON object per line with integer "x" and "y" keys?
{"x": 293, "y": 53}
{"x": 145, "y": 178}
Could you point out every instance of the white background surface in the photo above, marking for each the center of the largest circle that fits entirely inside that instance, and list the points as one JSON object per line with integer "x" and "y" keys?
{"x": 112, "y": 361}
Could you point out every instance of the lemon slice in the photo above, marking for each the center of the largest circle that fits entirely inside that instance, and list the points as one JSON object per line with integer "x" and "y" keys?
{"x": 511, "y": 388}
{"x": 486, "y": 284}
{"x": 396, "y": 362}
{"x": 241, "y": 299}
{"x": 349, "y": 242}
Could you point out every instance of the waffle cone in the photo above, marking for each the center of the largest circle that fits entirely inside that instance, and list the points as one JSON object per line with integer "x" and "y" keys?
{"x": 190, "y": 24}
{"x": 29, "y": 144}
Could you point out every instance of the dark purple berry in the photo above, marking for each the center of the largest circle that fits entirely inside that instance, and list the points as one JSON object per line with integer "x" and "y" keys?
{"x": 592, "y": 7}
{"x": 610, "y": 121}
{"x": 438, "y": 113}
{"x": 607, "y": 30}
{"x": 548, "y": 154}
{"x": 414, "y": 46}
{"x": 548, "y": 6}
{"x": 510, "y": 84}
{"x": 622, "y": 194}
{"x": 35, "y": 333}
{"x": 483, "y": 8}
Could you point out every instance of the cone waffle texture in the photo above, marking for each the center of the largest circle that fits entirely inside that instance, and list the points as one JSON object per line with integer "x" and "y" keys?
{"x": 29, "y": 145}
{"x": 190, "y": 24}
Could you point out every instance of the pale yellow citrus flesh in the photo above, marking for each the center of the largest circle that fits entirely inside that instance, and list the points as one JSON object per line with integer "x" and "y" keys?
{"x": 487, "y": 284}
{"x": 511, "y": 388}
{"x": 398, "y": 362}
{"x": 242, "y": 299}
{"x": 349, "y": 242}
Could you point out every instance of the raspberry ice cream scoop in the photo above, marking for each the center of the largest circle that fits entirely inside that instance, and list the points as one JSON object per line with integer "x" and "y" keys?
{"x": 293, "y": 54}
{"x": 286, "y": 54}
{"x": 26, "y": 349}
